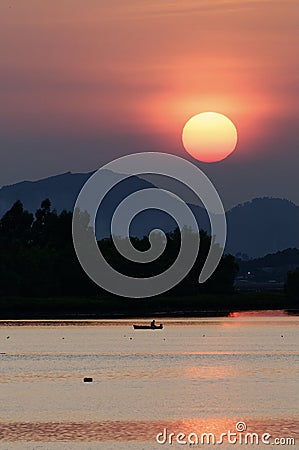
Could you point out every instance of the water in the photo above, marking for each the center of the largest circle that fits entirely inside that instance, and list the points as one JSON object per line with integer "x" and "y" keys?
{"x": 195, "y": 375}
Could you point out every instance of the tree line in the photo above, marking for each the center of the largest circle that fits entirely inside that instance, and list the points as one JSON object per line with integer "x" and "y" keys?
{"x": 37, "y": 258}
{"x": 292, "y": 285}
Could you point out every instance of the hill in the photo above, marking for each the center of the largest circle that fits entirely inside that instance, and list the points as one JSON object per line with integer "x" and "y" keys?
{"x": 255, "y": 228}
{"x": 268, "y": 272}
{"x": 262, "y": 226}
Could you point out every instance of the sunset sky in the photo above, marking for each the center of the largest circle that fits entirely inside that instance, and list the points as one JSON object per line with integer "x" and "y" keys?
{"x": 85, "y": 81}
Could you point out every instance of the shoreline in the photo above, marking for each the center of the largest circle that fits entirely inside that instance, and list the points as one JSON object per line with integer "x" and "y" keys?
{"x": 105, "y": 308}
{"x": 167, "y": 320}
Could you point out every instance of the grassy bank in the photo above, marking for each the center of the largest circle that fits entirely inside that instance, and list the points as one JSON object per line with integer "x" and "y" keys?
{"x": 162, "y": 306}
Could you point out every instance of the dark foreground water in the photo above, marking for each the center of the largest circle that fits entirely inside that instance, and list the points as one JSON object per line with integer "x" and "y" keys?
{"x": 194, "y": 376}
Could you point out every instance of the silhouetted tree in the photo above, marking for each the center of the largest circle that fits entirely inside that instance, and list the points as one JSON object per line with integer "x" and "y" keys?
{"x": 16, "y": 224}
{"x": 37, "y": 257}
{"x": 292, "y": 284}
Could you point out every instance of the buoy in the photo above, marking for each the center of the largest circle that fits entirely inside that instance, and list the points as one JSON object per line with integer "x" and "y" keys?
{"x": 87, "y": 380}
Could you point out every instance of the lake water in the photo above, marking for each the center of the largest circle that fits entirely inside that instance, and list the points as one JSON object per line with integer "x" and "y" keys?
{"x": 194, "y": 376}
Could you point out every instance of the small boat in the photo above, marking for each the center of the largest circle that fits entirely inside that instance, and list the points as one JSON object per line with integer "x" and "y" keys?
{"x": 148, "y": 327}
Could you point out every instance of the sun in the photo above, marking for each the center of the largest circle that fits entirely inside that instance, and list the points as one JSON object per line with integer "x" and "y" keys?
{"x": 209, "y": 136}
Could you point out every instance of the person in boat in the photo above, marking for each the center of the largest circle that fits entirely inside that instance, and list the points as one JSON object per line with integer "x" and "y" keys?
{"x": 153, "y": 323}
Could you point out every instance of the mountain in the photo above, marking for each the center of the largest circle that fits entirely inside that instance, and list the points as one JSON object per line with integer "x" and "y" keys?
{"x": 262, "y": 226}
{"x": 62, "y": 190}
{"x": 255, "y": 228}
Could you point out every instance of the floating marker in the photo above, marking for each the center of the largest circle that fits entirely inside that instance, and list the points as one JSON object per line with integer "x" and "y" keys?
{"x": 87, "y": 380}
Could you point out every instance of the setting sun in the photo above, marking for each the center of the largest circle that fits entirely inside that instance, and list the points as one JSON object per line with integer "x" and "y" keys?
{"x": 209, "y": 136}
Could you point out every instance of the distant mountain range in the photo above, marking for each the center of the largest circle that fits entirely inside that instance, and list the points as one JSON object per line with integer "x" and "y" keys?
{"x": 255, "y": 228}
{"x": 262, "y": 226}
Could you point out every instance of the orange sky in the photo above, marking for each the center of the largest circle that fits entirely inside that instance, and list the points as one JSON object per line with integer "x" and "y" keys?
{"x": 90, "y": 68}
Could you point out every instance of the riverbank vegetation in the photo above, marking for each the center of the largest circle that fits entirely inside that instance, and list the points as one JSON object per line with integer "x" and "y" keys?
{"x": 40, "y": 276}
